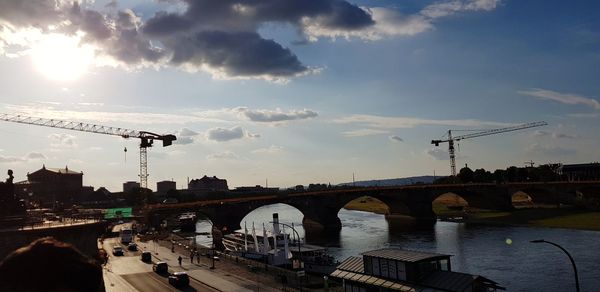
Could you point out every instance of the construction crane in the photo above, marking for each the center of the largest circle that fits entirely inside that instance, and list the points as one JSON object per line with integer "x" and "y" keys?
{"x": 146, "y": 138}
{"x": 451, "y": 139}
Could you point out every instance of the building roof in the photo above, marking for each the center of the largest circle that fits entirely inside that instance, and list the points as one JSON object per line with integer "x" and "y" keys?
{"x": 454, "y": 281}
{"x": 375, "y": 281}
{"x": 65, "y": 170}
{"x": 580, "y": 166}
{"x": 352, "y": 264}
{"x": 404, "y": 255}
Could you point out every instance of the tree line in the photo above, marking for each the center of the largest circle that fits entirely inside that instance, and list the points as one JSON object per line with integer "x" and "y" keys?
{"x": 542, "y": 173}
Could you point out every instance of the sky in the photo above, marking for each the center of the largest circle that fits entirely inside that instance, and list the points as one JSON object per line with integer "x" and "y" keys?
{"x": 298, "y": 91}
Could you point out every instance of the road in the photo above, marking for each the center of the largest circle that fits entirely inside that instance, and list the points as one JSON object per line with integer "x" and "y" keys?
{"x": 129, "y": 273}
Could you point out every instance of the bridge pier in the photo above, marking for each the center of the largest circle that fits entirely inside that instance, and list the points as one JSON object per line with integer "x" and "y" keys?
{"x": 327, "y": 223}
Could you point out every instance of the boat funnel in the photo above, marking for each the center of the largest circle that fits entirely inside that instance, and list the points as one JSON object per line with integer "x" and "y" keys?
{"x": 276, "y": 224}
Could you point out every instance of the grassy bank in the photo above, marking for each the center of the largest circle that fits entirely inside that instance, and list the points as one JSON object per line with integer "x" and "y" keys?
{"x": 368, "y": 204}
{"x": 540, "y": 217}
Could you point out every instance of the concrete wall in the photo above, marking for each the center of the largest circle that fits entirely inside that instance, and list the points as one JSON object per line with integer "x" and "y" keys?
{"x": 83, "y": 236}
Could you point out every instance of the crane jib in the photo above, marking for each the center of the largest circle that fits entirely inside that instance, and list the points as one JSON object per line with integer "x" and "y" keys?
{"x": 451, "y": 139}
{"x": 145, "y": 137}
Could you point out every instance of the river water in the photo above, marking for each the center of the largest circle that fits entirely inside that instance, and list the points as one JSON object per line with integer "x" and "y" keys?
{"x": 500, "y": 253}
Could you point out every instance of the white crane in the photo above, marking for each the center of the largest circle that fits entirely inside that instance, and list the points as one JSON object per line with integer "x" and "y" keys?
{"x": 146, "y": 138}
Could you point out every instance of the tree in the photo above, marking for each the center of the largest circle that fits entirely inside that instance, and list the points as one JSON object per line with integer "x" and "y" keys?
{"x": 499, "y": 176}
{"x": 465, "y": 175}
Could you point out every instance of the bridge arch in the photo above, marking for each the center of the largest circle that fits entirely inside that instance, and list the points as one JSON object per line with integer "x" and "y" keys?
{"x": 521, "y": 200}
{"x": 449, "y": 205}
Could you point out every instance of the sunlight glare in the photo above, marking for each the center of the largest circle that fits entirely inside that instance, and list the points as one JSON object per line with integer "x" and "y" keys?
{"x": 61, "y": 58}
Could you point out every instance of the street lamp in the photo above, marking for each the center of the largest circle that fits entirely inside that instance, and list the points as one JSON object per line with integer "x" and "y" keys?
{"x": 568, "y": 254}
{"x": 299, "y": 251}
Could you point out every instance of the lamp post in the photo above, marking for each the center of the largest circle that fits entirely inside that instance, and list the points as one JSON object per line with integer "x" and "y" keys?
{"x": 299, "y": 251}
{"x": 568, "y": 254}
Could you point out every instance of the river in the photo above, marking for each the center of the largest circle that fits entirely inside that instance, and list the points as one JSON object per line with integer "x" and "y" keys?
{"x": 500, "y": 253}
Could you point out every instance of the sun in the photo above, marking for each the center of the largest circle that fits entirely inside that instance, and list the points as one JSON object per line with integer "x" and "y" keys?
{"x": 61, "y": 58}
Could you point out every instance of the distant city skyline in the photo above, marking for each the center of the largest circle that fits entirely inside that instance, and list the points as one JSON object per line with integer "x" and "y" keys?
{"x": 298, "y": 92}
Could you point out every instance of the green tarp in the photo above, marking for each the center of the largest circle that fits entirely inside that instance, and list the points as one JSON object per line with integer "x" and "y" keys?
{"x": 117, "y": 213}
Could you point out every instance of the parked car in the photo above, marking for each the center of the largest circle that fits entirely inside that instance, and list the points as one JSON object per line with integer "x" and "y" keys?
{"x": 132, "y": 246}
{"x": 118, "y": 250}
{"x": 160, "y": 268}
{"x": 146, "y": 256}
{"x": 179, "y": 279}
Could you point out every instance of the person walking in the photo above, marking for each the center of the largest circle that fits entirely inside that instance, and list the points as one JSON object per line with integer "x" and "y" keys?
{"x": 192, "y": 257}
{"x": 179, "y": 259}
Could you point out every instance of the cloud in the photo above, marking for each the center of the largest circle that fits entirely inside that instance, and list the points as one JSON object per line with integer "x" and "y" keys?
{"x": 215, "y": 36}
{"x": 225, "y": 155}
{"x": 391, "y": 23}
{"x": 363, "y": 132}
{"x": 185, "y": 136}
{"x": 563, "y": 136}
{"x": 566, "y": 98}
{"x": 62, "y": 140}
{"x": 35, "y": 156}
{"x": 382, "y": 122}
{"x": 10, "y": 159}
{"x": 252, "y": 135}
{"x": 555, "y": 135}
{"x": 273, "y": 149}
{"x": 438, "y": 154}
{"x": 270, "y": 116}
{"x": 31, "y": 156}
{"x": 395, "y": 138}
{"x": 550, "y": 150}
{"x": 223, "y": 134}
{"x": 446, "y": 8}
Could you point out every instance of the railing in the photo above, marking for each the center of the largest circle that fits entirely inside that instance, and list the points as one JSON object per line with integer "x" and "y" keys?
{"x": 261, "y": 269}
{"x": 68, "y": 221}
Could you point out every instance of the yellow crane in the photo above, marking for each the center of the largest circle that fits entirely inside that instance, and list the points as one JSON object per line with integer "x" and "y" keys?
{"x": 146, "y": 138}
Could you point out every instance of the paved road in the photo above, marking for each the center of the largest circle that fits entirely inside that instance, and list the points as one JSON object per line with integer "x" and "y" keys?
{"x": 153, "y": 282}
{"x": 129, "y": 273}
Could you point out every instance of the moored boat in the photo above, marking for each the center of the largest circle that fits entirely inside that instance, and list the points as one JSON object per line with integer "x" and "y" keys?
{"x": 275, "y": 248}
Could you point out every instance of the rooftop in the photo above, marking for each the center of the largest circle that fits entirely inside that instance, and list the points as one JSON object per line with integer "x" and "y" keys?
{"x": 404, "y": 255}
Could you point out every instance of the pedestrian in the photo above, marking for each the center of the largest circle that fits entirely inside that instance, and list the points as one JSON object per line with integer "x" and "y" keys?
{"x": 179, "y": 259}
{"x": 192, "y": 258}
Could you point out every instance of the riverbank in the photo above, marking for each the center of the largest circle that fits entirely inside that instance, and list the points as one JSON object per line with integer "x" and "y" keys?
{"x": 569, "y": 218}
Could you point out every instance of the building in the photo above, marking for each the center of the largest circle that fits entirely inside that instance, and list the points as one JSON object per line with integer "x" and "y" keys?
{"x": 580, "y": 172}
{"x": 208, "y": 184}
{"x": 48, "y": 185}
{"x": 130, "y": 185}
{"x": 391, "y": 269}
{"x": 162, "y": 187}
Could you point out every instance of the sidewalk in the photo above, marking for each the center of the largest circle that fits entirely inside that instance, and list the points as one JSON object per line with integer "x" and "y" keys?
{"x": 199, "y": 272}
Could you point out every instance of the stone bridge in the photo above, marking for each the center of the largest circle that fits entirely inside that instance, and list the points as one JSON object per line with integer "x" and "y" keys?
{"x": 320, "y": 208}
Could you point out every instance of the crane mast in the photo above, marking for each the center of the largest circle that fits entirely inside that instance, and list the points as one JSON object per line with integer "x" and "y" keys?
{"x": 146, "y": 138}
{"x": 451, "y": 139}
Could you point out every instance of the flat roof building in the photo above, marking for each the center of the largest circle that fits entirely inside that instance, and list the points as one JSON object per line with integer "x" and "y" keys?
{"x": 162, "y": 187}
{"x": 392, "y": 269}
{"x": 130, "y": 185}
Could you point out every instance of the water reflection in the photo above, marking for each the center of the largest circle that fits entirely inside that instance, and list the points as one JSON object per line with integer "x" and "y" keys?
{"x": 476, "y": 249}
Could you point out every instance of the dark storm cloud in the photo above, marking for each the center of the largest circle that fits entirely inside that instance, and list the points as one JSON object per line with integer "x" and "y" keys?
{"x": 237, "y": 53}
{"x": 221, "y": 35}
